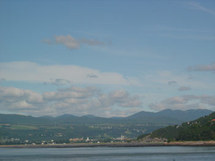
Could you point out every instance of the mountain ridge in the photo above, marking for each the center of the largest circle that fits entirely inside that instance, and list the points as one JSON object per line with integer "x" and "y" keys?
{"x": 178, "y": 115}
{"x": 64, "y": 127}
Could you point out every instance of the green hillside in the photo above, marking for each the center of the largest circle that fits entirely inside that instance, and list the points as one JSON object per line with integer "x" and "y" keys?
{"x": 27, "y": 129}
{"x": 200, "y": 129}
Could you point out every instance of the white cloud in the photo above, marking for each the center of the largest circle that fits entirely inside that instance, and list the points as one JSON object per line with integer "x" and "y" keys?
{"x": 18, "y": 99}
{"x": 74, "y": 100}
{"x": 184, "y": 88}
{"x": 73, "y": 43}
{"x": 186, "y": 102}
{"x": 172, "y": 83}
{"x": 92, "y": 76}
{"x": 209, "y": 67}
{"x": 59, "y": 82}
{"x": 73, "y": 92}
{"x": 68, "y": 41}
{"x": 167, "y": 77}
{"x": 91, "y": 42}
{"x": 124, "y": 99}
{"x": 60, "y": 74}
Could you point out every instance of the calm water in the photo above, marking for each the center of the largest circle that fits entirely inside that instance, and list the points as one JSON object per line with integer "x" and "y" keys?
{"x": 110, "y": 154}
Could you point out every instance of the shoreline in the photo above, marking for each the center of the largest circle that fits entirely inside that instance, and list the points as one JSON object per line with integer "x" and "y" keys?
{"x": 132, "y": 144}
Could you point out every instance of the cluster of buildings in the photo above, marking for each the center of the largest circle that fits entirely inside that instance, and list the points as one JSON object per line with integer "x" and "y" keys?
{"x": 71, "y": 140}
{"x": 98, "y": 140}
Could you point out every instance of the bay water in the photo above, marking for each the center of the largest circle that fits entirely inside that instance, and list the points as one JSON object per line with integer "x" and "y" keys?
{"x": 160, "y": 153}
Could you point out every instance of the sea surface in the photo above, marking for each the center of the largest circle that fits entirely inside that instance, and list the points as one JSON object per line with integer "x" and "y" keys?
{"x": 173, "y": 153}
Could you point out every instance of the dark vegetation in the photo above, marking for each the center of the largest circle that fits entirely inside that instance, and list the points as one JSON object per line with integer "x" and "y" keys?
{"x": 200, "y": 129}
{"x": 27, "y": 129}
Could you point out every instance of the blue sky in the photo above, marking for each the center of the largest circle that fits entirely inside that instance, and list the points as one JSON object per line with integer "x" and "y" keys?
{"x": 107, "y": 58}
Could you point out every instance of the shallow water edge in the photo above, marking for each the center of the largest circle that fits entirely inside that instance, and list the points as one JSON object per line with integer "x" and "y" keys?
{"x": 132, "y": 144}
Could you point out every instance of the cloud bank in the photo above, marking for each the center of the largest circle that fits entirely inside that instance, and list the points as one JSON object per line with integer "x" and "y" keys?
{"x": 60, "y": 74}
{"x": 74, "y": 100}
{"x": 186, "y": 102}
{"x": 184, "y": 88}
{"x": 73, "y": 43}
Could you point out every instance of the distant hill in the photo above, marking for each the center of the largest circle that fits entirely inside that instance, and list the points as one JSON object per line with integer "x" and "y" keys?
{"x": 185, "y": 115}
{"x": 163, "y": 118}
{"x": 67, "y": 126}
{"x": 166, "y": 116}
{"x": 199, "y": 129}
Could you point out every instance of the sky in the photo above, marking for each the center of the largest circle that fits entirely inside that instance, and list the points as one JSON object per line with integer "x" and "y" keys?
{"x": 106, "y": 57}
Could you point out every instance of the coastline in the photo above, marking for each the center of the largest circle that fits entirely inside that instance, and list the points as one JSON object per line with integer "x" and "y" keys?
{"x": 132, "y": 144}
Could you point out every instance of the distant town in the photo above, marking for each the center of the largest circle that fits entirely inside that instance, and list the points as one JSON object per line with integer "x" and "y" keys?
{"x": 28, "y": 130}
